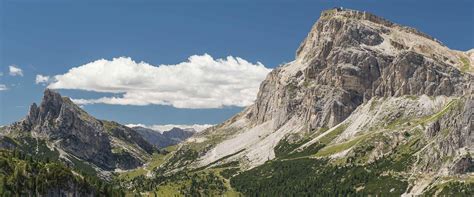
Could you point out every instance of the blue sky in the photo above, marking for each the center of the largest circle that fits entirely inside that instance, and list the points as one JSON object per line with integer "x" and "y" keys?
{"x": 51, "y": 37}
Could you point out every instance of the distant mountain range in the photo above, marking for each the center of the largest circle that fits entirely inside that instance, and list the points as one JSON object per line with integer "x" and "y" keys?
{"x": 165, "y": 138}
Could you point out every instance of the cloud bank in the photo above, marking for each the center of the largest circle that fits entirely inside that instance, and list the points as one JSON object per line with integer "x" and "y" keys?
{"x": 15, "y": 70}
{"x": 3, "y": 87}
{"x": 167, "y": 127}
{"x": 200, "y": 82}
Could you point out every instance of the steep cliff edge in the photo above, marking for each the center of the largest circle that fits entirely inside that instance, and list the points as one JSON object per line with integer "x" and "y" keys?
{"x": 360, "y": 89}
{"x": 77, "y": 138}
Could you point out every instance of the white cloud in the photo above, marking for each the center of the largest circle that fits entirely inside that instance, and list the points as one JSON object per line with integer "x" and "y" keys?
{"x": 136, "y": 125}
{"x": 15, "y": 70}
{"x": 200, "y": 82}
{"x": 167, "y": 127}
{"x": 3, "y": 87}
{"x": 42, "y": 79}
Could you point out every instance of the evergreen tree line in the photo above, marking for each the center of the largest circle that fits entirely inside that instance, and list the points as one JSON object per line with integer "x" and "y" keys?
{"x": 24, "y": 175}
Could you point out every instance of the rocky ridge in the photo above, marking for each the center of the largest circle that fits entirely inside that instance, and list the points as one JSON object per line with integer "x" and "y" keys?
{"x": 356, "y": 78}
{"x": 166, "y": 138}
{"x": 77, "y": 136}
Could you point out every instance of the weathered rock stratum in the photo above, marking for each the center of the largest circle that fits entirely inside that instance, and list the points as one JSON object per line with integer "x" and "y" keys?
{"x": 356, "y": 76}
{"x": 72, "y": 132}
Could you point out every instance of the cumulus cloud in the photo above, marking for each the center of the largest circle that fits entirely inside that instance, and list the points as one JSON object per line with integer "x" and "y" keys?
{"x": 200, "y": 82}
{"x": 15, "y": 70}
{"x": 42, "y": 79}
{"x": 167, "y": 127}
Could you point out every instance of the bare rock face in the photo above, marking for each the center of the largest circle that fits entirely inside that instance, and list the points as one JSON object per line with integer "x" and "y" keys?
{"x": 433, "y": 129}
{"x": 58, "y": 119}
{"x": 61, "y": 122}
{"x": 348, "y": 58}
{"x": 464, "y": 165}
{"x": 458, "y": 126}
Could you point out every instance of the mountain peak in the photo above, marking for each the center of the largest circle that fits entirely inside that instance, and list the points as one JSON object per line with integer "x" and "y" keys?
{"x": 348, "y": 28}
{"x": 51, "y": 102}
{"x": 348, "y": 59}
{"x": 50, "y": 109}
{"x": 367, "y": 16}
{"x": 49, "y": 92}
{"x": 51, "y": 99}
{"x": 58, "y": 120}
{"x": 354, "y": 14}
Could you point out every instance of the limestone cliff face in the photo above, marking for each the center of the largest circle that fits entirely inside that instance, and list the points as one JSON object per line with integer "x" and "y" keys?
{"x": 69, "y": 128}
{"x": 350, "y": 57}
{"x": 348, "y": 60}
{"x": 452, "y": 139}
{"x": 58, "y": 119}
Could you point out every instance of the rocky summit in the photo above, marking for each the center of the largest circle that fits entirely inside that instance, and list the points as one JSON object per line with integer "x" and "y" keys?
{"x": 361, "y": 90}
{"x": 76, "y": 137}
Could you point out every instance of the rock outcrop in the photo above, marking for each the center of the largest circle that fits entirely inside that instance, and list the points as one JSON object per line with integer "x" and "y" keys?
{"x": 349, "y": 63}
{"x": 350, "y": 57}
{"x": 69, "y": 128}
